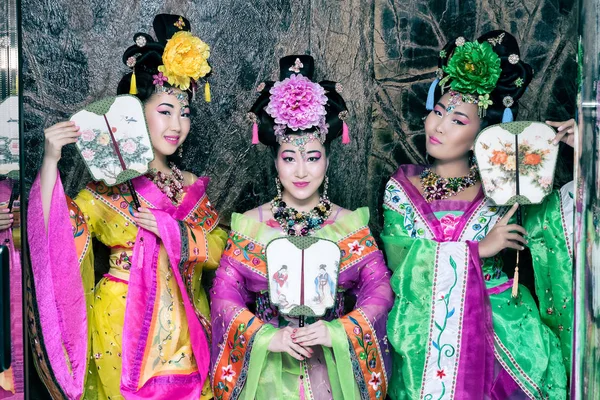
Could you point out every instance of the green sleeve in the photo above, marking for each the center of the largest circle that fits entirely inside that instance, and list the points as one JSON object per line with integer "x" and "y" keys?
{"x": 549, "y": 228}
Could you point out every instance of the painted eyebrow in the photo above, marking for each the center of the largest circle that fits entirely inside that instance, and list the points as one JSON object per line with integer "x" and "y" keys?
{"x": 439, "y": 103}
{"x": 288, "y": 151}
{"x": 167, "y": 104}
{"x": 463, "y": 114}
{"x": 313, "y": 151}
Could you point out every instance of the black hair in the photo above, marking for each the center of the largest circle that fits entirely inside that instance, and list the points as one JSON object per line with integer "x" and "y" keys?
{"x": 145, "y": 55}
{"x": 336, "y": 106}
{"x": 514, "y": 78}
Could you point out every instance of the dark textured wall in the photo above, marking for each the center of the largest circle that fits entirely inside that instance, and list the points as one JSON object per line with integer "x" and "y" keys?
{"x": 383, "y": 52}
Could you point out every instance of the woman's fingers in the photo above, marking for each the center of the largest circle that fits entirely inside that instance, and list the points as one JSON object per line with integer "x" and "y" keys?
{"x": 515, "y": 237}
{"x": 57, "y": 132}
{"x": 5, "y": 225}
{"x": 295, "y": 354}
{"x": 561, "y": 125}
{"x": 559, "y": 136}
{"x": 504, "y": 220}
{"x": 303, "y": 332}
{"x": 60, "y": 125}
{"x": 300, "y": 350}
{"x": 516, "y": 228}
{"x": 303, "y": 339}
{"x": 5, "y": 216}
{"x": 313, "y": 342}
{"x": 513, "y": 245}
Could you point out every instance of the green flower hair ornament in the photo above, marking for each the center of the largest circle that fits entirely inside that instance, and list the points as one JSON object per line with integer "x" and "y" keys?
{"x": 473, "y": 68}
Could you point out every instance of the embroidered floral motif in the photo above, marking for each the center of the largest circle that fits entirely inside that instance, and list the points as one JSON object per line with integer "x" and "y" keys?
{"x": 227, "y": 373}
{"x": 264, "y": 310}
{"x": 236, "y": 349}
{"x": 449, "y": 223}
{"x": 356, "y": 248}
{"x": 77, "y": 221}
{"x": 361, "y": 242}
{"x": 393, "y": 196}
{"x": 246, "y": 252}
{"x": 485, "y": 219}
{"x": 444, "y": 350}
{"x": 366, "y": 355}
{"x": 365, "y": 341}
{"x": 375, "y": 380}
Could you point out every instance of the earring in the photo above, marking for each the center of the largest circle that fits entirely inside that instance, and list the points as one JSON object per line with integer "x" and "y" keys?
{"x": 325, "y": 187}
{"x": 180, "y": 151}
{"x": 473, "y": 159}
{"x": 279, "y": 187}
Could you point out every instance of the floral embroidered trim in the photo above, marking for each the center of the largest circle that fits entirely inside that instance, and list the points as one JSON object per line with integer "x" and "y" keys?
{"x": 356, "y": 368}
{"x": 447, "y": 354}
{"x": 229, "y": 372}
{"x": 365, "y": 346}
{"x": 115, "y": 198}
{"x": 355, "y": 247}
{"x": 396, "y": 199}
{"x": 222, "y": 347}
{"x": 247, "y": 252}
{"x": 487, "y": 215}
{"x": 204, "y": 214}
{"x": 81, "y": 233}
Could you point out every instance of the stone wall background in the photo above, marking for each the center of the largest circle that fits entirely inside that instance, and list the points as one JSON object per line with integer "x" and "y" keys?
{"x": 383, "y": 52}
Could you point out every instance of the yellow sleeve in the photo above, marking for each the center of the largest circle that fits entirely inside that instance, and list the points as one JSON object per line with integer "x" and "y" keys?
{"x": 216, "y": 243}
{"x": 112, "y": 228}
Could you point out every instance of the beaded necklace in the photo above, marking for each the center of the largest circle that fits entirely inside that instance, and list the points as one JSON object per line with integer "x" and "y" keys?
{"x": 437, "y": 188}
{"x": 170, "y": 184}
{"x": 300, "y": 223}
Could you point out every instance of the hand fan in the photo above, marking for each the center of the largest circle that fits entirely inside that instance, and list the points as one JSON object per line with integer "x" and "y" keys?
{"x": 9, "y": 137}
{"x": 303, "y": 274}
{"x": 115, "y": 142}
{"x": 516, "y": 162}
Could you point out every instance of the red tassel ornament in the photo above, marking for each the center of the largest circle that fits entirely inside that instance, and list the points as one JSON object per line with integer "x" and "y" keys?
{"x": 345, "y": 133}
{"x": 255, "y": 133}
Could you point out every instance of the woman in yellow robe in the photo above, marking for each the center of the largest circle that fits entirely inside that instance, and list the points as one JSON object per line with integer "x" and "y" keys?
{"x": 143, "y": 330}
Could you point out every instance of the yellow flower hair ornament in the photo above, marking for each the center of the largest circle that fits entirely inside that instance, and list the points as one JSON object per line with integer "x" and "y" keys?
{"x": 185, "y": 61}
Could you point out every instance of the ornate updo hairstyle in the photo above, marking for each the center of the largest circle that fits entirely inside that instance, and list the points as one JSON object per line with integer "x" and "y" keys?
{"x": 514, "y": 77}
{"x": 146, "y": 55}
{"x": 267, "y": 130}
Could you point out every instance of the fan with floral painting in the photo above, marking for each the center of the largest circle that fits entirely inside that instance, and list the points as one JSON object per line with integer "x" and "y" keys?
{"x": 115, "y": 143}
{"x": 516, "y": 162}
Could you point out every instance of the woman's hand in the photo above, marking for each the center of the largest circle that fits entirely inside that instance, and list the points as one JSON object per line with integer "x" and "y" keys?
{"x": 6, "y": 217}
{"x": 316, "y": 334}
{"x": 57, "y": 136}
{"x": 282, "y": 342}
{"x": 566, "y": 131}
{"x": 145, "y": 219}
{"x": 503, "y": 236}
